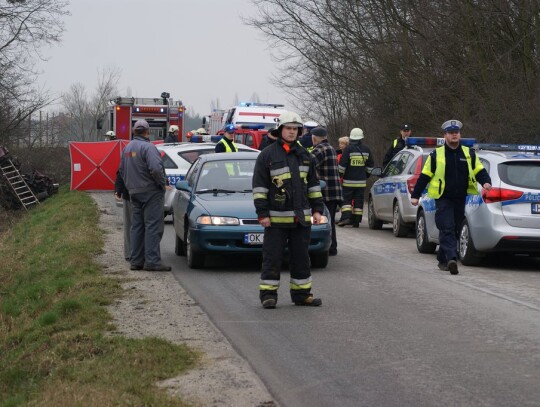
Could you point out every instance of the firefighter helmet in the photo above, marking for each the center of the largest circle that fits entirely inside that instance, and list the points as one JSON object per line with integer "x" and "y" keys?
{"x": 201, "y": 130}
{"x": 356, "y": 134}
{"x": 111, "y": 135}
{"x": 173, "y": 128}
{"x": 290, "y": 119}
{"x": 229, "y": 128}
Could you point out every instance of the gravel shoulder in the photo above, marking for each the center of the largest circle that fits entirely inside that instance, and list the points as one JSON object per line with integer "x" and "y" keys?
{"x": 155, "y": 305}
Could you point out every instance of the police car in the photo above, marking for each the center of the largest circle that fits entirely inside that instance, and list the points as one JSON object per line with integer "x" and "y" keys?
{"x": 389, "y": 197}
{"x": 505, "y": 219}
{"x": 178, "y": 157}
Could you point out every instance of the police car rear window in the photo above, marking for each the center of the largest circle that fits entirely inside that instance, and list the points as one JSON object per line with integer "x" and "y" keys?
{"x": 521, "y": 174}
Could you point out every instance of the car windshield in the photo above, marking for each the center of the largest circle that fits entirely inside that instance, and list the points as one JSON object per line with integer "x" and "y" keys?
{"x": 525, "y": 174}
{"x": 226, "y": 176}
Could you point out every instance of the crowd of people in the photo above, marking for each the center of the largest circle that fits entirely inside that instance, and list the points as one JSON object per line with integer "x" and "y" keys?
{"x": 288, "y": 197}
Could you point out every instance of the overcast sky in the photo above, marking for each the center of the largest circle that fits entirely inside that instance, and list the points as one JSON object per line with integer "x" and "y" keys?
{"x": 197, "y": 50}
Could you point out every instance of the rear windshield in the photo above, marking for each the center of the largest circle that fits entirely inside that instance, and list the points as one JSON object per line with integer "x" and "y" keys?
{"x": 521, "y": 174}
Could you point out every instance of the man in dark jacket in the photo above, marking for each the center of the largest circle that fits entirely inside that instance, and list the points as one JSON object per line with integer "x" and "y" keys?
{"x": 268, "y": 139}
{"x": 227, "y": 144}
{"x": 287, "y": 194}
{"x": 355, "y": 166}
{"x": 398, "y": 144}
{"x": 142, "y": 170}
{"x": 452, "y": 171}
{"x": 326, "y": 163}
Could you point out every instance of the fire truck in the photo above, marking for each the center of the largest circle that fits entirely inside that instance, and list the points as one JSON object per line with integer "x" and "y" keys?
{"x": 160, "y": 113}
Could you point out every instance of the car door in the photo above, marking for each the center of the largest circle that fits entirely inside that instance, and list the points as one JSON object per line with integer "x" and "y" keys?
{"x": 389, "y": 185}
{"x": 183, "y": 198}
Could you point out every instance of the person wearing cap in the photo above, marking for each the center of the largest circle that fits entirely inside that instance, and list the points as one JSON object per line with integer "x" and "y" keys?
{"x": 355, "y": 166}
{"x": 305, "y": 139}
{"x": 172, "y": 135}
{"x": 326, "y": 163}
{"x": 450, "y": 173}
{"x": 287, "y": 197}
{"x": 141, "y": 168}
{"x": 227, "y": 144}
{"x": 398, "y": 144}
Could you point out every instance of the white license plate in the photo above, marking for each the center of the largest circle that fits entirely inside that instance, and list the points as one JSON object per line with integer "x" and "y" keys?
{"x": 535, "y": 208}
{"x": 254, "y": 238}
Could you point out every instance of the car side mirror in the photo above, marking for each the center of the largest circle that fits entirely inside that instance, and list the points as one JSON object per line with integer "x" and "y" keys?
{"x": 377, "y": 171}
{"x": 183, "y": 186}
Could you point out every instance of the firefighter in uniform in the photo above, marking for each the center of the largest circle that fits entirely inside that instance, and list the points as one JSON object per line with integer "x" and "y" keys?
{"x": 287, "y": 196}
{"x": 227, "y": 144}
{"x": 452, "y": 171}
{"x": 355, "y": 165}
{"x": 172, "y": 136}
{"x": 398, "y": 144}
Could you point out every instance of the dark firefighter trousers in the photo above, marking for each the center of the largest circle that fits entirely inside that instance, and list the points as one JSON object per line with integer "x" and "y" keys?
{"x": 449, "y": 215}
{"x": 353, "y": 204}
{"x": 297, "y": 241}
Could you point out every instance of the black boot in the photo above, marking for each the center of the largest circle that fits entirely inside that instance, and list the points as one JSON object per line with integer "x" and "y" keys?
{"x": 344, "y": 222}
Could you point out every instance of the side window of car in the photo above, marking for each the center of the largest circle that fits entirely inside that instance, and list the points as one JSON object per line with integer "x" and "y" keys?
{"x": 414, "y": 166}
{"x": 485, "y": 163}
{"x": 238, "y": 138}
{"x": 249, "y": 140}
{"x": 168, "y": 163}
{"x": 191, "y": 175}
{"x": 398, "y": 164}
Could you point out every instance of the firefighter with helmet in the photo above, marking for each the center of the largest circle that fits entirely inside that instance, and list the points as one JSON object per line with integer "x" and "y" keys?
{"x": 172, "y": 136}
{"x": 287, "y": 196}
{"x": 355, "y": 166}
{"x": 110, "y": 136}
{"x": 227, "y": 144}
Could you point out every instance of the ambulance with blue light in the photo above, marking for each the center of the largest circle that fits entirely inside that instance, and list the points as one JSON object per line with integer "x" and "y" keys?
{"x": 505, "y": 219}
{"x": 389, "y": 197}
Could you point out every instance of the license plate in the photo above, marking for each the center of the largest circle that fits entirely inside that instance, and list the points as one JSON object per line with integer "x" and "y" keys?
{"x": 535, "y": 207}
{"x": 254, "y": 238}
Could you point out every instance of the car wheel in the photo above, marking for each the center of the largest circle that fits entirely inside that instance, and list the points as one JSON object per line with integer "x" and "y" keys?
{"x": 422, "y": 243}
{"x": 373, "y": 222}
{"x": 466, "y": 250}
{"x": 195, "y": 260}
{"x": 179, "y": 248}
{"x": 399, "y": 227}
{"x": 319, "y": 260}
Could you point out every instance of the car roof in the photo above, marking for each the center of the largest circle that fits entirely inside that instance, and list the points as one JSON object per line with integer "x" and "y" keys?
{"x": 508, "y": 155}
{"x": 244, "y": 155}
{"x": 184, "y": 146}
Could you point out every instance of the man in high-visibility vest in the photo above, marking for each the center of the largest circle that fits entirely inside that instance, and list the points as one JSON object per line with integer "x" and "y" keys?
{"x": 398, "y": 144}
{"x": 452, "y": 172}
{"x": 226, "y": 144}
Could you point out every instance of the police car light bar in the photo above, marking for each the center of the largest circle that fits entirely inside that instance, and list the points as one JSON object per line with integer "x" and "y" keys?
{"x": 205, "y": 138}
{"x": 507, "y": 147}
{"x": 252, "y": 126}
{"x": 436, "y": 141}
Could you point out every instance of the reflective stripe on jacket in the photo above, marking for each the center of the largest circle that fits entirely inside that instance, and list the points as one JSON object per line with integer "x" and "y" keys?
{"x": 355, "y": 165}
{"x": 437, "y": 183}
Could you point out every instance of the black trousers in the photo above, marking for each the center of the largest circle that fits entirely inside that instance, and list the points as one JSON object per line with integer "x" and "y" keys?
{"x": 353, "y": 203}
{"x": 449, "y": 214}
{"x": 332, "y": 207}
{"x": 296, "y": 239}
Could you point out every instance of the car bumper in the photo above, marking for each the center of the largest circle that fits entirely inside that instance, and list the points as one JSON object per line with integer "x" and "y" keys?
{"x": 230, "y": 239}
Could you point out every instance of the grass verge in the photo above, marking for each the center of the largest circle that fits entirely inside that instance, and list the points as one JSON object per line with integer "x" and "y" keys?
{"x": 54, "y": 350}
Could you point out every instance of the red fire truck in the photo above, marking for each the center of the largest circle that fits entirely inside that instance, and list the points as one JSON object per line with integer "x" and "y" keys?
{"x": 160, "y": 113}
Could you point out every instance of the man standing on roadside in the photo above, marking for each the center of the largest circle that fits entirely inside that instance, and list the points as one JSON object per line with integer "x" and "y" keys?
{"x": 398, "y": 144}
{"x": 287, "y": 195}
{"x": 227, "y": 144}
{"x": 326, "y": 163}
{"x": 142, "y": 170}
{"x": 452, "y": 171}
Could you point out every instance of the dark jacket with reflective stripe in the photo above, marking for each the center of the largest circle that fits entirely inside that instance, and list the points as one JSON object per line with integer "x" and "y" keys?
{"x": 355, "y": 164}
{"x": 285, "y": 185}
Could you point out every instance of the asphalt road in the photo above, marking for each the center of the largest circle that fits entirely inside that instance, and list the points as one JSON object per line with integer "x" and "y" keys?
{"x": 393, "y": 329}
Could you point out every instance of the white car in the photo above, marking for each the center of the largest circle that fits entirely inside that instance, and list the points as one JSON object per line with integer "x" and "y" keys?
{"x": 177, "y": 159}
{"x": 503, "y": 220}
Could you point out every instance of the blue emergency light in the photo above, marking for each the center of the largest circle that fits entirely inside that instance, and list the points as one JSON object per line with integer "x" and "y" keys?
{"x": 252, "y": 126}
{"x": 205, "y": 138}
{"x": 530, "y": 148}
{"x": 436, "y": 141}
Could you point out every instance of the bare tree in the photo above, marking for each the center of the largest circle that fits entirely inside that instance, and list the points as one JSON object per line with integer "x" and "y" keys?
{"x": 25, "y": 26}
{"x": 83, "y": 110}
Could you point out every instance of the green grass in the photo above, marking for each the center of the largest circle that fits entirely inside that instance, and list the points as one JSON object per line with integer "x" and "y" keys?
{"x": 54, "y": 347}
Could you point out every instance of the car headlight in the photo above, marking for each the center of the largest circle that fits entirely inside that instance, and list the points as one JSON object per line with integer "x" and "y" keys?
{"x": 217, "y": 221}
{"x": 324, "y": 219}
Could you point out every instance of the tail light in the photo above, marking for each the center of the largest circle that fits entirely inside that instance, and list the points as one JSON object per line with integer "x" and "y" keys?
{"x": 500, "y": 195}
{"x": 411, "y": 182}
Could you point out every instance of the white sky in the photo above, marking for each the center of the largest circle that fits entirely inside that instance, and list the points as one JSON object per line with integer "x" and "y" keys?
{"x": 197, "y": 50}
